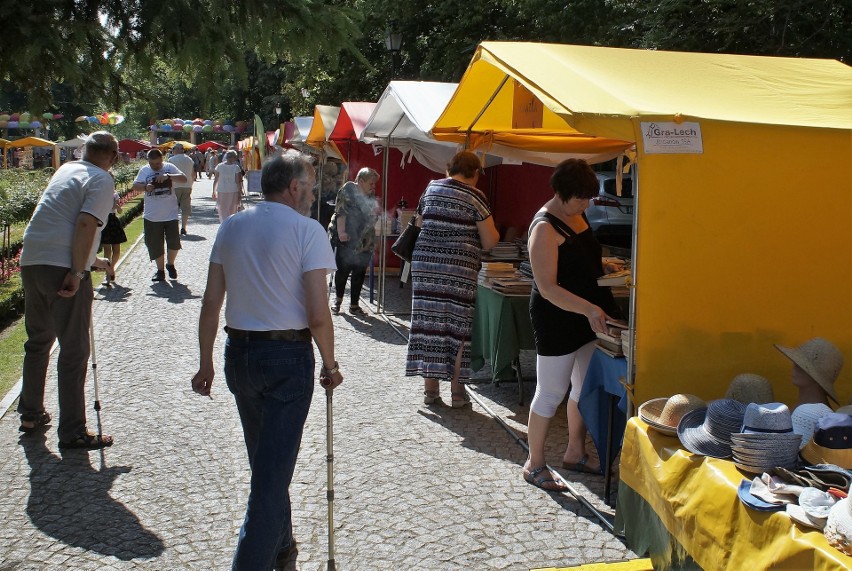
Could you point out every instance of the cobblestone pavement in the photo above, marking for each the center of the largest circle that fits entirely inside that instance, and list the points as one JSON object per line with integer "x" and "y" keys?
{"x": 416, "y": 487}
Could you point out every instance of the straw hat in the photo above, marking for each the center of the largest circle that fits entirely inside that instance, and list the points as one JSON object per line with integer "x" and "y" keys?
{"x": 820, "y": 359}
{"x": 707, "y": 431}
{"x": 838, "y": 528}
{"x": 832, "y": 441}
{"x": 664, "y": 414}
{"x": 748, "y": 388}
{"x": 805, "y": 417}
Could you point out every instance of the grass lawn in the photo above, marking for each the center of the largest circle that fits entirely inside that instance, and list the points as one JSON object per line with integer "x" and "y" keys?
{"x": 12, "y": 338}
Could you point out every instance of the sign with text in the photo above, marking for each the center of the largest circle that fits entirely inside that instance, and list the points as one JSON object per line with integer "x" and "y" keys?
{"x": 253, "y": 180}
{"x": 527, "y": 110}
{"x": 670, "y": 138}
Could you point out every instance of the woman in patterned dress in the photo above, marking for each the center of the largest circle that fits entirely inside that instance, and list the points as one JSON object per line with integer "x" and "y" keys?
{"x": 456, "y": 225}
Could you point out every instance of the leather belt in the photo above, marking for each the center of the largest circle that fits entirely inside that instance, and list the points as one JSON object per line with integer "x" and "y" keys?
{"x": 275, "y": 335}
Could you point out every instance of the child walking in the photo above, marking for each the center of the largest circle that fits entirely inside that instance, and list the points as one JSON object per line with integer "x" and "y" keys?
{"x": 112, "y": 237}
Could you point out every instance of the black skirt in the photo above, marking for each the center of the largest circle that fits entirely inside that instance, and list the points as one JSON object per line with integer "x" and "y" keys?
{"x": 113, "y": 233}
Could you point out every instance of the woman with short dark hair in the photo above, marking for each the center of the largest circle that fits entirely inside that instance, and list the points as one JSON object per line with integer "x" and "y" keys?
{"x": 567, "y": 308}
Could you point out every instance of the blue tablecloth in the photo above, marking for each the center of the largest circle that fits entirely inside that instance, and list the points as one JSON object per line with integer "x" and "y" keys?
{"x": 603, "y": 380}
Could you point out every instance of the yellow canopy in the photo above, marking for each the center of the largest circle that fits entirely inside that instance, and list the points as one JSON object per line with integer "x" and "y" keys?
{"x": 731, "y": 255}
{"x": 30, "y": 142}
{"x": 325, "y": 118}
{"x": 169, "y": 144}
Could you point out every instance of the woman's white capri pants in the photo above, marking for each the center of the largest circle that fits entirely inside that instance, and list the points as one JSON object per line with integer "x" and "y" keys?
{"x": 556, "y": 374}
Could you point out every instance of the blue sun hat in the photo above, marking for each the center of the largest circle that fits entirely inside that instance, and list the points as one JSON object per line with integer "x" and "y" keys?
{"x": 707, "y": 431}
{"x": 766, "y": 440}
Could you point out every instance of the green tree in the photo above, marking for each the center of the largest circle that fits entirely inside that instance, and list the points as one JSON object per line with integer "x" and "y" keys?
{"x": 92, "y": 44}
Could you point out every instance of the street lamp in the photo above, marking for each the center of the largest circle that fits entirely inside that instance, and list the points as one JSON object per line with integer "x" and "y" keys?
{"x": 393, "y": 43}
{"x": 278, "y": 113}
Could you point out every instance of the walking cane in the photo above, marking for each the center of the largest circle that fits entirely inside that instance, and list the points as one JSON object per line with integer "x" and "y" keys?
{"x": 329, "y": 461}
{"x": 95, "y": 374}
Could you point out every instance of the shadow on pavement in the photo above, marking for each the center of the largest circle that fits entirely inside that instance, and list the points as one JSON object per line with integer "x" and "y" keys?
{"x": 115, "y": 292}
{"x": 173, "y": 291}
{"x": 70, "y": 502}
{"x": 367, "y": 325}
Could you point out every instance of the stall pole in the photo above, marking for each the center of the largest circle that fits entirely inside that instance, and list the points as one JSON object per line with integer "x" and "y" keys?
{"x": 380, "y": 304}
{"x": 631, "y": 322}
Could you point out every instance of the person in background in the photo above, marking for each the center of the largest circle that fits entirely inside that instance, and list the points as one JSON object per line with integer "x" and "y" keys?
{"x": 276, "y": 304}
{"x": 211, "y": 162}
{"x": 456, "y": 226}
{"x": 112, "y": 237}
{"x": 567, "y": 308}
{"x": 161, "y": 212}
{"x": 353, "y": 228}
{"x": 228, "y": 186}
{"x": 60, "y": 243}
{"x": 183, "y": 190}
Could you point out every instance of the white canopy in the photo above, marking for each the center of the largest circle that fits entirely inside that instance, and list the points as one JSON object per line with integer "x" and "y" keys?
{"x": 300, "y": 133}
{"x": 72, "y": 143}
{"x": 403, "y": 117}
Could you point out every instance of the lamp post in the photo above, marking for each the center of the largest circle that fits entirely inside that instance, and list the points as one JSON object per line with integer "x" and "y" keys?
{"x": 278, "y": 114}
{"x": 393, "y": 43}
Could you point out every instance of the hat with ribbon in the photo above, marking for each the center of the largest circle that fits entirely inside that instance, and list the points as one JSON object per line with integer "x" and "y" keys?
{"x": 805, "y": 417}
{"x": 707, "y": 431}
{"x": 766, "y": 440}
{"x": 820, "y": 359}
{"x": 748, "y": 388}
{"x": 664, "y": 414}
{"x": 832, "y": 441}
{"x": 838, "y": 528}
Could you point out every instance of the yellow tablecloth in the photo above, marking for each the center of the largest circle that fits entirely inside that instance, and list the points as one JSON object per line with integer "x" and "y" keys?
{"x": 695, "y": 498}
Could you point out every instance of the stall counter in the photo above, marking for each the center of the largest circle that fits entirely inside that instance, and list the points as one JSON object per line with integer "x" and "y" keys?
{"x": 694, "y": 500}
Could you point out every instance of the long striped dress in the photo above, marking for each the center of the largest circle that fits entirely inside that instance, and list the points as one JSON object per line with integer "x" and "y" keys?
{"x": 444, "y": 270}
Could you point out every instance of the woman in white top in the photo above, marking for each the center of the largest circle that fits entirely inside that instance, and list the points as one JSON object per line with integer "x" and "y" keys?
{"x": 228, "y": 186}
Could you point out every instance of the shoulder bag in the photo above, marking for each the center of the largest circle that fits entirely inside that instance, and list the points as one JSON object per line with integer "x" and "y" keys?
{"x": 404, "y": 245}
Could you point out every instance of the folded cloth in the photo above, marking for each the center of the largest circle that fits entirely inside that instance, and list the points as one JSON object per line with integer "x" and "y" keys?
{"x": 816, "y": 503}
{"x": 822, "y": 478}
{"x": 762, "y": 488}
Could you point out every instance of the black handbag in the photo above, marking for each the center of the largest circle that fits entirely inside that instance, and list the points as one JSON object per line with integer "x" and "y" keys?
{"x": 404, "y": 245}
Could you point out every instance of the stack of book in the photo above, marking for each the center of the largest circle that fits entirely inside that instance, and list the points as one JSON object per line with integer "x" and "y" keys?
{"x": 517, "y": 285}
{"x": 491, "y": 270}
{"x": 615, "y": 279}
{"x": 610, "y": 342}
{"x": 504, "y": 250}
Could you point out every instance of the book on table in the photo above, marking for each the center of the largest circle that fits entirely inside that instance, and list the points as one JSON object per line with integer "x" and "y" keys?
{"x": 620, "y": 278}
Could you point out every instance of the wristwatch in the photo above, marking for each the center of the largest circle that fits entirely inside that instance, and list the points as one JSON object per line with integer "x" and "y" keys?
{"x": 78, "y": 275}
{"x": 332, "y": 370}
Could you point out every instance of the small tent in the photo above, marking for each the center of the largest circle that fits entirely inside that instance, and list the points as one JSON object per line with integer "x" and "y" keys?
{"x": 37, "y": 142}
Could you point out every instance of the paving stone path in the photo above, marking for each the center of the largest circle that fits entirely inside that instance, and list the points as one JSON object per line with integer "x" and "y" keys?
{"x": 416, "y": 487}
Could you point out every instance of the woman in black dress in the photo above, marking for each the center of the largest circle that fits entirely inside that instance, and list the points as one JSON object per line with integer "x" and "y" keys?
{"x": 567, "y": 308}
{"x": 112, "y": 237}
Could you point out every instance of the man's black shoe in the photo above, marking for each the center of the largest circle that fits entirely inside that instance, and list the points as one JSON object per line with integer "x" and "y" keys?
{"x": 159, "y": 276}
{"x": 172, "y": 271}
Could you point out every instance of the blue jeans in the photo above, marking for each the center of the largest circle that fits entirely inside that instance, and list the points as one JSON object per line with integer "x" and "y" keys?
{"x": 272, "y": 383}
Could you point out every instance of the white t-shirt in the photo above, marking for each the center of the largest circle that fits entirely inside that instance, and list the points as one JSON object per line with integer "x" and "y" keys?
{"x": 187, "y": 167}
{"x": 161, "y": 204}
{"x": 78, "y": 186}
{"x": 227, "y": 177}
{"x": 264, "y": 251}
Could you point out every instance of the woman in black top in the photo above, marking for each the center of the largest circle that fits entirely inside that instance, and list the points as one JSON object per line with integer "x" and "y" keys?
{"x": 567, "y": 308}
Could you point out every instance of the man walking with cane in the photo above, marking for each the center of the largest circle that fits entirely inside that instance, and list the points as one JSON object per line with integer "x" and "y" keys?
{"x": 276, "y": 304}
{"x": 60, "y": 244}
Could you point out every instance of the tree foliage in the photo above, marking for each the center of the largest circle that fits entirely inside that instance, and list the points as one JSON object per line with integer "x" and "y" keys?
{"x": 94, "y": 44}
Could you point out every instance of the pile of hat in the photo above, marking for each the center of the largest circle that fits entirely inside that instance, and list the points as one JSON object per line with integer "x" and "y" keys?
{"x": 766, "y": 439}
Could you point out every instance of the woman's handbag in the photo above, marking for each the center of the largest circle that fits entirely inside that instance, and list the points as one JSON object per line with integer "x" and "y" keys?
{"x": 404, "y": 245}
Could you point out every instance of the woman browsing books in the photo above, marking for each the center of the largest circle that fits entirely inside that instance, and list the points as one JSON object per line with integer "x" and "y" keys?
{"x": 567, "y": 309}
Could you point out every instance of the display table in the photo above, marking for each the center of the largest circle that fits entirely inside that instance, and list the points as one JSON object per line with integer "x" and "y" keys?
{"x": 681, "y": 507}
{"x": 501, "y": 329}
{"x": 603, "y": 406}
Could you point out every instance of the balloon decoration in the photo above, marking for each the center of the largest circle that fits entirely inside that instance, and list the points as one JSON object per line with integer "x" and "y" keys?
{"x": 100, "y": 119}
{"x": 199, "y": 125}
{"x": 27, "y": 120}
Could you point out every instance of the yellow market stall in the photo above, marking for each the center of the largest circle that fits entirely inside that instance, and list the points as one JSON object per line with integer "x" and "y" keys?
{"x": 742, "y": 239}
{"x": 36, "y": 142}
{"x": 744, "y": 199}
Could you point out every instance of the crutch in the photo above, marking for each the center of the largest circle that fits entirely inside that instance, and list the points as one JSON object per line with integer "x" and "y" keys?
{"x": 95, "y": 374}
{"x": 329, "y": 461}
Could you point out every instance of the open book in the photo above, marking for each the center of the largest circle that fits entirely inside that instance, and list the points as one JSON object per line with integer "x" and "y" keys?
{"x": 621, "y": 278}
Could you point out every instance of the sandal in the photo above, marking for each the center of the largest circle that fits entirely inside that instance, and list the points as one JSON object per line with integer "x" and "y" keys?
{"x": 582, "y": 467}
{"x": 31, "y": 422}
{"x": 542, "y": 478}
{"x": 88, "y": 441}
{"x": 460, "y": 400}
{"x": 430, "y": 397}
{"x": 335, "y": 309}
